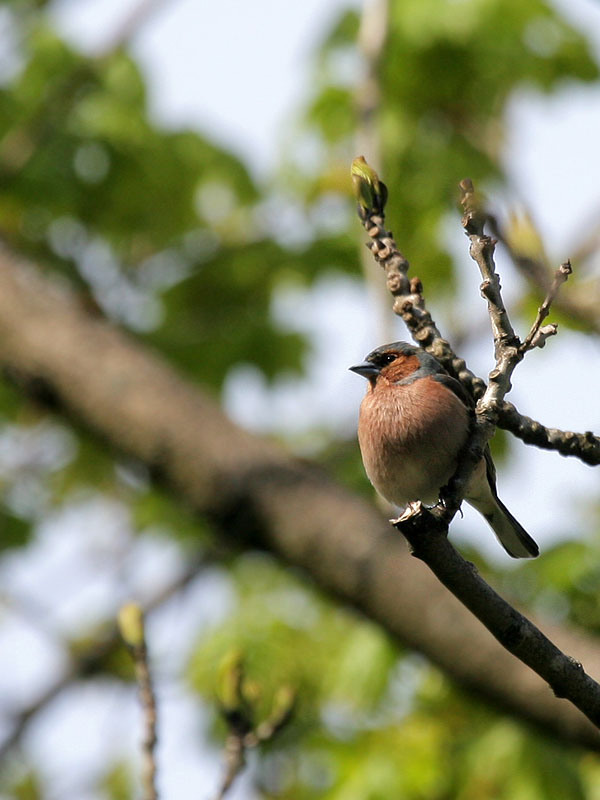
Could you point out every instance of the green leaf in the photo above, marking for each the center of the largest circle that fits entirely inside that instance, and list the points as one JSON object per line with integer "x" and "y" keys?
{"x": 15, "y": 531}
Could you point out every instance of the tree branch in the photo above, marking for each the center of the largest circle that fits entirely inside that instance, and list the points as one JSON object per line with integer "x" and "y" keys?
{"x": 129, "y": 26}
{"x": 537, "y": 335}
{"x": 239, "y": 709}
{"x": 409, "y": 304}
{"x": 131, "y": 627}
{"x": 90, "y": 660}
{"x": 580, "y": 304}
{"x": 426, "y": 529}
{"x": 565, "y": 675}
{"x": 584, "y": 446}
{"x": 252, "y": 491}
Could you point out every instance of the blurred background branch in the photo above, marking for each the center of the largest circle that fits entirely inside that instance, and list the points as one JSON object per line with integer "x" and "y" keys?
{"x": 130, "y": 622}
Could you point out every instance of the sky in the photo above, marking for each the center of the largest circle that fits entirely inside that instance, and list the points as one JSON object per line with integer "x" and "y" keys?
{"x": 235, "y": 69}
{"x": 239, "y": 71}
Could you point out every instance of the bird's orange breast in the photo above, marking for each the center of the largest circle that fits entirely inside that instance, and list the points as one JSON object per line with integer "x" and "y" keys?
{"x": 410, "y": 436}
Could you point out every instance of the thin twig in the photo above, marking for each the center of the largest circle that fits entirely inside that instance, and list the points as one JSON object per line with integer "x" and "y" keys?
{"x": 90, "y": 660}
{"x": 481, "y": 250}
{"x": 509, "y": 350}
{"x": 507, "y": 353}
{"x": 536, "y": 336}
{"x": 240, "y": 714}
{"x": 149, "y": 740}
{"x": 135, "y": 18}
{"x": 409, "y": 304}
{"x": 131, "y": 626}
{"x": 235, "y": 761}
{"x": 580, "y": 304}
{"x": 506, "y": 348}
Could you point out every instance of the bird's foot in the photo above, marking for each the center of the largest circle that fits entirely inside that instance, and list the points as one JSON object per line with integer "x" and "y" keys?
{"x": 446, "y": 499}
{"x": 411, "y": 510}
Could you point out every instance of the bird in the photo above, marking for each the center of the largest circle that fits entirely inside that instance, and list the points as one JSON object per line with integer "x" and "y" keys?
{"x": 414, "y": 421}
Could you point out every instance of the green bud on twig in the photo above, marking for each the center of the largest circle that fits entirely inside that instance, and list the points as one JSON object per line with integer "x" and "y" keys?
{"x": 231, "y": 673}
{"x": 131, "y": 624}
{"x": 370, "y": 192}
{"x": 283, "y": 703}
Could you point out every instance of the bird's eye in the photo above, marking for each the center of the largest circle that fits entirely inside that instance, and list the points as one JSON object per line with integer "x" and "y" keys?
{"x": 383, "y": 359}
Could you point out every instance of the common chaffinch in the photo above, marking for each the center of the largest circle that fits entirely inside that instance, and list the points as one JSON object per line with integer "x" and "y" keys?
{"x": 414, "y": 420}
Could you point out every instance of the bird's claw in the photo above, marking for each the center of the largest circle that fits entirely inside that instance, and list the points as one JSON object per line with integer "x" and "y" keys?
{"x": 411, "y": 510}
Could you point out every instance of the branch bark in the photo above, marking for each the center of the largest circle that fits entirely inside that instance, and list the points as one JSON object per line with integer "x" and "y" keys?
{"x": 100, "y": 378}
{"x": 409, "y": 304}
{"x": 132, "y": 629}
{"x": 425, "y": 529}
{"x": 428, "y": 537}
{"x": 581, "y": 303}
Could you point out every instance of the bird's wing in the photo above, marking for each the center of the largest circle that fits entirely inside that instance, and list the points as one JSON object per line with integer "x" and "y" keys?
{"x": 462, "y": 394}
{"x": 456, "y": 387}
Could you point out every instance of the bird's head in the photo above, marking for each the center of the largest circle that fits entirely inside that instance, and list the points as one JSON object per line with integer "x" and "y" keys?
{"x": 396, "y": 362}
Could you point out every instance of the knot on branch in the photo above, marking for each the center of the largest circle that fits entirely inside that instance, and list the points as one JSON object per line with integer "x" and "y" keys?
{"x": 397, "y": 282}
{"x": 482, "y": 246}
{"x": 489, "y": 286}
{"x": 474, "y": 216}
{"x": 539, "y": 338}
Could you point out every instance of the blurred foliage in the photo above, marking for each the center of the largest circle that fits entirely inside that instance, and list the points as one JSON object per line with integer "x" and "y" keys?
{"x": 288, "y": 634}
{"x": 16, "y": 531}
{"x": 447, "y": 71}
{"x": 371, "y": 721}
{"x": 169, "y": 234}
{"x": 25, "y": 786}
{"x": 564, "y": 585}
{"x": 119, "y": 783}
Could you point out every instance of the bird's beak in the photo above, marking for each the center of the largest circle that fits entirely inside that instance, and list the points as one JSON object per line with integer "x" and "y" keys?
{"x": 366, "y": 369}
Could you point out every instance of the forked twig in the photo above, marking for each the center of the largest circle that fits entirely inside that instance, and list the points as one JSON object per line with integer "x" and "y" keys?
{"x": 537, "y": 335}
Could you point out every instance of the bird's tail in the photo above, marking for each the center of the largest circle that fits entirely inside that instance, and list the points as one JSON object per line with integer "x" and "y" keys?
{"x": 510, "y": 533}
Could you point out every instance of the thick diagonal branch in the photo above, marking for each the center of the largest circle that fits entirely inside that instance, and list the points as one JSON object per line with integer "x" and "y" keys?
{"x": 514, "y": 631}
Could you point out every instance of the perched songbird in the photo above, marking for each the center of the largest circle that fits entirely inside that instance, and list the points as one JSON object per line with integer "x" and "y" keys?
{"x": 414, "y": 420}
